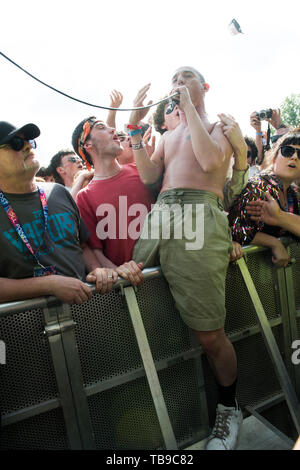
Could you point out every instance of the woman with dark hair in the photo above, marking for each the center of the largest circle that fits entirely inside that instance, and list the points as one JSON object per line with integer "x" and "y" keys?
{"x": 276, "y": 183}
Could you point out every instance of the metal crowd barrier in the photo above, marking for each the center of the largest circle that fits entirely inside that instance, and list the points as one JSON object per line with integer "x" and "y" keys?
{"x": 122, "y": 371}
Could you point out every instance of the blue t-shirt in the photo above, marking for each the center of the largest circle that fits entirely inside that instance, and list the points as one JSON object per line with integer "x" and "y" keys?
{"x": 59, "y": 246}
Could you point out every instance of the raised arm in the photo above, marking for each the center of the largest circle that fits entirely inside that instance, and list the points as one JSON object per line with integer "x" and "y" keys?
{"x": 239, "y": 179}
{"x": 256, "y": 124}
{"x": 150, "y": 170}
{"x": 116, "y": 99}
{"x": 209, "y": 150}
{"x": 81, "y": 180}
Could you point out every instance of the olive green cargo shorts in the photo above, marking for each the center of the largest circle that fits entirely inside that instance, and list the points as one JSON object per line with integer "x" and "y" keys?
{"x": 187, "y": 233}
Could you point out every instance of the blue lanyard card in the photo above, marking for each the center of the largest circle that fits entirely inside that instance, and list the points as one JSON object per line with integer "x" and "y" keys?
{"x": 45, "y": 271}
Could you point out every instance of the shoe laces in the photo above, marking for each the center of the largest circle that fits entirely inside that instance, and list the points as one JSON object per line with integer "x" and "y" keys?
{"x": 221, "y": 429}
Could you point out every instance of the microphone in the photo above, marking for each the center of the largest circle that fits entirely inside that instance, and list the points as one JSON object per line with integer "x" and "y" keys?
{"x": 172, "y": 105}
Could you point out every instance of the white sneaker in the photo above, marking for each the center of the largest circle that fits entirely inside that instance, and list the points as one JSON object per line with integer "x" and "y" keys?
{"x": 225, "y": 433}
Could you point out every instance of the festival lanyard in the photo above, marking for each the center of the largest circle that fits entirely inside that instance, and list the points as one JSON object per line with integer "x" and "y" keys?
{"x": 16, "y": 224}
{"x": 290, "y": 204}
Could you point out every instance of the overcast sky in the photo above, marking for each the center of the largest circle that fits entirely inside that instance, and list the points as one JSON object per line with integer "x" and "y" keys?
{"x": 86, "y": 49}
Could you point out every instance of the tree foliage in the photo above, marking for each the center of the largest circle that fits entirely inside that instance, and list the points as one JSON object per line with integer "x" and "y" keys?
{"x": 290, "y": 110}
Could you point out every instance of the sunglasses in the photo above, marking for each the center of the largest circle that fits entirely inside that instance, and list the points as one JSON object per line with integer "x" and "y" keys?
{"x": 288, "y": 151}
{"x": 17, "y": 143}
{"x": 74, "y": 160}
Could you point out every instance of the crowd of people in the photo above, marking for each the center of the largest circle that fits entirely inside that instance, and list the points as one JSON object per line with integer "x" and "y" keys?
{"x": 119, "y": 201}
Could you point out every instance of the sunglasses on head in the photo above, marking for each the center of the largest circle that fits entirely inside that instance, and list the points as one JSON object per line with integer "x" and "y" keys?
{"x": 17, "y": 143}
{"x": 288, "y": 151}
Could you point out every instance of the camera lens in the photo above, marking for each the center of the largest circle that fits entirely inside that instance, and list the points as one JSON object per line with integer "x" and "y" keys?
{"x": 269, "y": 113}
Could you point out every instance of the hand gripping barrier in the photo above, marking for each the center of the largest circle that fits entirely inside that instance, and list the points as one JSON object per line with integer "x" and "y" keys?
{"x": 122, "y": 371}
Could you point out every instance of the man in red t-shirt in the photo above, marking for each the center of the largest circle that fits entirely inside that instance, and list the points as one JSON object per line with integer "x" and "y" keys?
{"x": 115, "y": 203}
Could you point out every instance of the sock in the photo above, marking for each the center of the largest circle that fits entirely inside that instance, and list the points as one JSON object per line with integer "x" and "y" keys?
{"x": 227, "y": 394}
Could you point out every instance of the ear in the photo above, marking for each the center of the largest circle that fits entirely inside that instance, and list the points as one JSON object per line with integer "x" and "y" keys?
{"x": 87, "y": 145}
{"x": 60, "y": 170}
{"x": 206, "y": 86}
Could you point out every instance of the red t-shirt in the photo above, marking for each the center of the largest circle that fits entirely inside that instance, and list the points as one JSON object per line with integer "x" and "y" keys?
{"x": 114, "y": 211}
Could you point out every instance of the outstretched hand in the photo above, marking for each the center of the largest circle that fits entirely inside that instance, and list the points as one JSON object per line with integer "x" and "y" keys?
{"x": 147, "y": 136}
{"x": 139, "y": 114}
{"x": 267, "y": 211}
{"x": 116, "y": 99}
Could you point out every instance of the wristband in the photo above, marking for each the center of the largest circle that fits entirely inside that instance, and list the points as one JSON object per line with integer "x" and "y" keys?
{"x": 259, "y": 133}
{"x": 135, "y": 132}
{"x": 138, "y": 146}
{"x": 131, "y": 126}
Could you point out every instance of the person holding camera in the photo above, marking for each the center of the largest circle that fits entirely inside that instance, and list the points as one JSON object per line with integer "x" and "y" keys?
{"x": 275, "y": 184}
{"x": 273, "y": 117}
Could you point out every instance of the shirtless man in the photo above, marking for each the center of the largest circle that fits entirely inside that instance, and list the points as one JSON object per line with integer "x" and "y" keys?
{"x": 195, "y": 159}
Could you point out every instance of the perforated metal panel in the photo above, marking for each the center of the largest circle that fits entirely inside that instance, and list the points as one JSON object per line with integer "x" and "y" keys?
{"x": 240, "y": 311}
{"x": 166, "y": 332}
{"x": 45, "y": 432}
{"x": 280, "y": 417}
{"x": 28, "y": 374}
{"x": 124, "y": 418}
{"x": 257, "y": 380}
{"x": 106, "y": 342}
{"x": 182, "y": 396}
{"x": 295, "y": 253}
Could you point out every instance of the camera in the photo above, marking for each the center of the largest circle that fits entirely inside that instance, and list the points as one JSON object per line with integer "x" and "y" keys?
{"x": 264, "y": 114}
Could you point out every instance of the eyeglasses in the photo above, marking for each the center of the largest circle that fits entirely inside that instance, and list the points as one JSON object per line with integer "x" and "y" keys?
{"x": 287, "y": 151}
{"x": 17, "y": 143}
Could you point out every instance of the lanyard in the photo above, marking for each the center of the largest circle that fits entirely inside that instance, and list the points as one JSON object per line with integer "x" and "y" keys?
{"x": 290, "y": 194}
{"x": 15, "y": 221}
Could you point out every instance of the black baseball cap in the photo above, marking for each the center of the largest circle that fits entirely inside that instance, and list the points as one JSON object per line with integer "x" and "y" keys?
{"x": 8, "y": 131}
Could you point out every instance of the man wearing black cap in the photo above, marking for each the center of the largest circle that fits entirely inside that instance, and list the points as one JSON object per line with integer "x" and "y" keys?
{"x": 42, "y": 238}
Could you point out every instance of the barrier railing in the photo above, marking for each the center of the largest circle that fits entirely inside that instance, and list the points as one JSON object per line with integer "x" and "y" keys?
{"x": 122, "y": 371}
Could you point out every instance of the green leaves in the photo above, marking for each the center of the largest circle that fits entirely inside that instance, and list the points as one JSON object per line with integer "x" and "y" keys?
{"x": 290, "y": 110}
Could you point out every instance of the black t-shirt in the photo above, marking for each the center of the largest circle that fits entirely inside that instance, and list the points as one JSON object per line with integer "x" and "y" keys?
{"x": 59, "y": 246}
